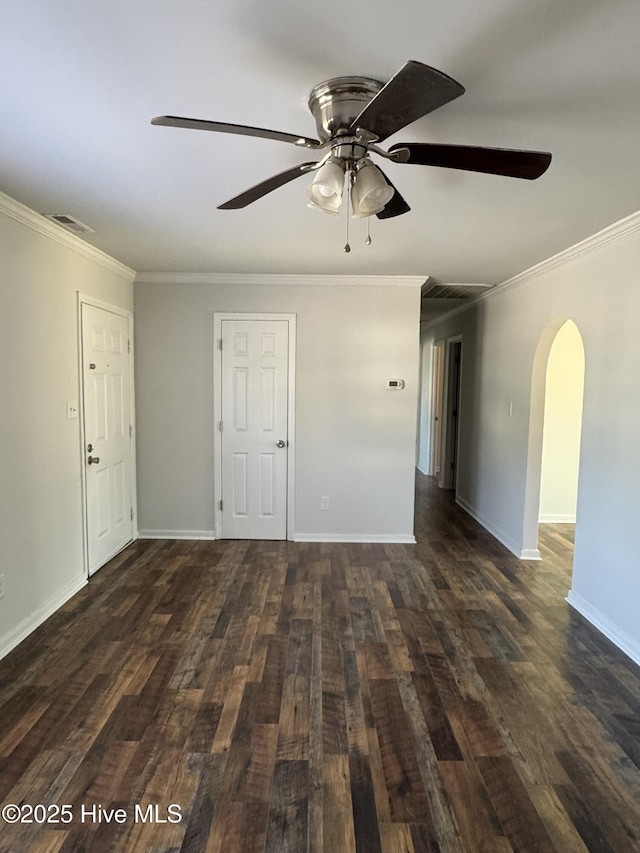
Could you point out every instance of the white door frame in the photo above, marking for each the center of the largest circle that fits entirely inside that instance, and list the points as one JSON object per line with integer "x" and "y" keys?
{"x": 437, "y": 407}
{"x": 84, "y": 299}
{"x": 217, "y": 411}
{"x": 447, "y": 480}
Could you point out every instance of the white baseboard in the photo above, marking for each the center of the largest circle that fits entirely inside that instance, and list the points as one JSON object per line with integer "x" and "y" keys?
{"x": 529, "y": 554}
{"x": 389, "y": 538}
{"x": 619, "y": 638}
{"x": 550, "y": 518}
{"x": 507, "y": 541}
{"x": 363, "y": 538}
{"x": 9, "y": 641}
{"x": 177, "y": 534}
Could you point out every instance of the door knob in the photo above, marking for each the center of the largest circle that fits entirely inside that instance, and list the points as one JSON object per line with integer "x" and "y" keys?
{"x": 280, "y": 443}
{"x": 93, "y": 460}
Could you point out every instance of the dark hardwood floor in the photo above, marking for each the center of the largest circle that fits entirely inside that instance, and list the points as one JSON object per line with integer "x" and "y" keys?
{"x": 324, "y": 697}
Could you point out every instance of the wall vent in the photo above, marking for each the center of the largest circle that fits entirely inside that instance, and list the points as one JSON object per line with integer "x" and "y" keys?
{"x": 69, "y": 222}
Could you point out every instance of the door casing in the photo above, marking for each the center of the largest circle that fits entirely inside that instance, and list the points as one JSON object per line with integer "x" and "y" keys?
{"x": 84, "y": 299}
{"x": 450, "y": 432}
{"x": 437, "y": 397}
{"x": 218, "y": 318}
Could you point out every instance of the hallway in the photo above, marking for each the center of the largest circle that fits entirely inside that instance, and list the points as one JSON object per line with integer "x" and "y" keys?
{"x": 292, "y": 697}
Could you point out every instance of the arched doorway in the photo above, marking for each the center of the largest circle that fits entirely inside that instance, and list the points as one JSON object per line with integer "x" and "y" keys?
{"x": 564, "y": 389}
{"x": 555, "y": 418}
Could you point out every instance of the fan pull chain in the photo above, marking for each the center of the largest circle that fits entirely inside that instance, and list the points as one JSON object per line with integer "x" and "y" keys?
{"x": 347, "y": 247}
{"x": 367, "y": 242}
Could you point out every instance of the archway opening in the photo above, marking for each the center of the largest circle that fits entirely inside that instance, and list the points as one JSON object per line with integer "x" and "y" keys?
{"x": 561, "y": 432}
{"x": 564, "y": 388}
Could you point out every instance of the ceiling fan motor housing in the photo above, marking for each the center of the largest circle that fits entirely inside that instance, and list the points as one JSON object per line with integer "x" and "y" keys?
{"x": 336, "y": 103}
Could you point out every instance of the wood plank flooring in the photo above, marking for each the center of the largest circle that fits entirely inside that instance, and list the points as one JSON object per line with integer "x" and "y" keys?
{"x": 328, "y": 698}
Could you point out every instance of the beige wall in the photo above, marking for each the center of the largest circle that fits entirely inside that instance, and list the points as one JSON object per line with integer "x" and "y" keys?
{"x": 354, "y": 441}
{"x": 41, "y": 542}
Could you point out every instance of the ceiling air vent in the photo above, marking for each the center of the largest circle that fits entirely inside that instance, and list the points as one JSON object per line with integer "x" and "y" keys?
{"x": 70, "y": 223}
{"x": 436, "y": 290}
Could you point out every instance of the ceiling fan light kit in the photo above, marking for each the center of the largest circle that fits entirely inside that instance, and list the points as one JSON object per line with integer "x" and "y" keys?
{"x": 369, "y": 190}
{"x": 370, "y": 193}
{"x": 353, "y": 115}
{"x": 325, "y": 190}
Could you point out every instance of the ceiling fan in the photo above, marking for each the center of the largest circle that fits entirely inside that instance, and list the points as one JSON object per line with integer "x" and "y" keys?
{"x": 353, "y": 115}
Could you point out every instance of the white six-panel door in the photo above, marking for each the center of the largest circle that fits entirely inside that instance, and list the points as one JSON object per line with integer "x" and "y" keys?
{"x": 107, "y": 433}
{"x": 254, "y": 428}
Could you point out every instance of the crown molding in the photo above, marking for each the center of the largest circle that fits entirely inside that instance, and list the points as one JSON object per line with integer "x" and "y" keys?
{"x": 286, "y": 279}
{"x": 619, "y": 229}
{"x": 607, "y": 235}
{"x": 26, "y": 216}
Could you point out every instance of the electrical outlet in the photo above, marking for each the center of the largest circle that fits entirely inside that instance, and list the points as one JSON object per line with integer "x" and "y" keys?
{"x": 1, "y": 586}
{"x": 324, "y": 503}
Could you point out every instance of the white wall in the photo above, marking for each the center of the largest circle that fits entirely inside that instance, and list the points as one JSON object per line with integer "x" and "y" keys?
{"x": 562, "y": 424}
{"x": 41, "y": 544}
{"x": 355, "y": 440}
{"x": 507, "y": 338}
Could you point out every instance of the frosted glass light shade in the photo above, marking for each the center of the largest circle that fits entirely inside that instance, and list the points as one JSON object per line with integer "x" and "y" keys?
{"x": 370, "y": 192}
{"x": 325, "y": 191}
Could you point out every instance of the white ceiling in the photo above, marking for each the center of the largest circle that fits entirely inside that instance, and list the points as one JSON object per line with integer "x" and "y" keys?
{"x": 79, "y": 82}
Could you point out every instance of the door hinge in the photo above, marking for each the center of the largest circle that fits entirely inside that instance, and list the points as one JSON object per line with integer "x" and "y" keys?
{"x": 220, "y": 506}
{"x": 219, "y": 343}
{"x": 220, "y": 425}
{"x": 131, "y": 513}
{"x": 130, "y": 430}
{"x": 129, "y": 346}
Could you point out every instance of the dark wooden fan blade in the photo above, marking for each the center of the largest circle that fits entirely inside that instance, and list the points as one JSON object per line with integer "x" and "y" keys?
{"x": 241, "y": 129}
{"x": 411, "y": 93}
{"x": 396, "y": 206}
{"x": 272, "y": 183}
{"x": 494, "y": 161}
